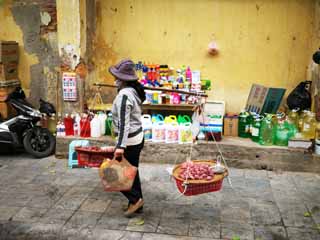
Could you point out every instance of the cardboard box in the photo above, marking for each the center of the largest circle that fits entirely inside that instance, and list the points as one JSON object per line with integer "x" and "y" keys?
{"x": 9, "y": 52}
{"x": 230, "y": 125}
{"x": 6, "y": 111}
{"x": 8, "y": 71}
{"x": 262, "y": 99}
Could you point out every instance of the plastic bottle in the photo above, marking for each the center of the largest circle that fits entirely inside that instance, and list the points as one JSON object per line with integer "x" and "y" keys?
{"x": 243, "y": 124}
{"x": 102, "y": 117}
{"x": 158, "y": 132}
{"x": 184, "y": 119}
{"x": 309, "y": 126}
{"x": 85, "y": 130}
{"x": 147, "y": 127}
{"x": 76, "y": 129}
{"x": 52, "y": 124}
{"x": 108, "y": 124}
{"x": 172, "y": 132}
{"x": 185, "y": 133}
{"x": 188, "y": 75}
{"x": 266, "y": 136}
{"x": 95, "y": 127}
{"x": 62, "y": 130}
{"x": 255, "y": 130}
{"x": 281, "y": 137}
{"x": 293, "y": 117}
{"x": 68, "y": 123}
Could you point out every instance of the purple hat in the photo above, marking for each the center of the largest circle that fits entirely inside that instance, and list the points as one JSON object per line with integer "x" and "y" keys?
{"x": 124, "y": 70}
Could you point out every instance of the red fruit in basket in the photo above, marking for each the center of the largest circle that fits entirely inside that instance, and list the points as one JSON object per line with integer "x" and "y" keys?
{"x": 209, "y": 178}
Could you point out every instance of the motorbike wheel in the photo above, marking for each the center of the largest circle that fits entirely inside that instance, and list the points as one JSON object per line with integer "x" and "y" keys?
{"x": 39, "y": 142}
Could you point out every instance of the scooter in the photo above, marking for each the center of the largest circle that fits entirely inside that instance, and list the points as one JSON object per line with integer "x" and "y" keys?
{"x": 24, "y": 130}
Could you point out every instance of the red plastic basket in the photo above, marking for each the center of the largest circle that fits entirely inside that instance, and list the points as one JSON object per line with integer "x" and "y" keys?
{"x": 195, "y": 187}
{"x": 92, "y": 156}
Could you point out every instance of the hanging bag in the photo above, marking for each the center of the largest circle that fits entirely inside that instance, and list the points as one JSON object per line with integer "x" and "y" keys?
{"x": 300, "y": 97}
{"x": 117, "y": 175}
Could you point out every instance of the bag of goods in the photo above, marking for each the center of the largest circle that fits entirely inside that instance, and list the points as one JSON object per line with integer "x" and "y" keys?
{"x": 172, "y": 132}
{"x": 185, "y": 133}
{"x": 117, "y": 175}
{"x": 158, "y": 132}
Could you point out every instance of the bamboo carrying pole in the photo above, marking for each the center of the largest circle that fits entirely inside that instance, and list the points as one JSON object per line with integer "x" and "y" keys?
{"x": 157, "y": 89}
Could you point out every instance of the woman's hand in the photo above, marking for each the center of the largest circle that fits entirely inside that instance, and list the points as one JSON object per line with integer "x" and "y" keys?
{"x": 118, "y": 153}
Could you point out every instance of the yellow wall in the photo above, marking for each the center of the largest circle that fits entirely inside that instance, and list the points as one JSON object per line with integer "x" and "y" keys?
{"x": 267, "y": 42}
{"x": 10, "y": 31}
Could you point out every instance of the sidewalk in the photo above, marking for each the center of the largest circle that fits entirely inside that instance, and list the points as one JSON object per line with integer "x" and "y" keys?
{"x": 43, "y": 199}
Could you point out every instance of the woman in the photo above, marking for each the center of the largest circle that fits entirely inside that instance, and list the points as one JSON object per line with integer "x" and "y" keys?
{"x": 126, "y": 118}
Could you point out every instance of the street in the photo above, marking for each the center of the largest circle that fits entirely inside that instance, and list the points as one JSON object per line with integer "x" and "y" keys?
{"x": 44, "y": 199}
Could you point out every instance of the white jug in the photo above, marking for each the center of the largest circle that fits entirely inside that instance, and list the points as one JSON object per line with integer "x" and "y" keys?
{"x": 172, "y": 132}
{"x": 147, "y": 127}
{"x": 95, "y": 127}
{"x": 158, "y": 132}
{"x": 102, "y": 118}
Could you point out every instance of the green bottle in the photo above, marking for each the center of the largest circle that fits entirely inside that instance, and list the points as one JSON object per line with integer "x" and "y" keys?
{"x": 255, "y": 129}
{"x": 281, "y": 136}
{"x": 266, "y": 131}
{"x": 243, "y": 125}
{"x": 109, "y": 124}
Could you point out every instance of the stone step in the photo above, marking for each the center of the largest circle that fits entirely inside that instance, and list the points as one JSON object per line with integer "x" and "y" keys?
{"x": 238, "y": 152}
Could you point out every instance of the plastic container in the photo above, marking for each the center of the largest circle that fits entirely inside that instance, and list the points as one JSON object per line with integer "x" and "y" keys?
{"x": 255, "y": 130}
{"x": 184, "y": 119}
{"x": 170, "y": 119}
{"x": 102, "y": 117}
{"x": 243, "y": 126}
{"x": 52, "y": 124}
{"x": 266, "y": 132}
{"x": 281, "y": 134}
{"x": 157, "y": 118}
{"x": 68, "y": 123}
{"x": 172, "y": 132}
{"x": 149, "y": 96}
{"x": 108, "y": 124}
{"x": 95, "y": 127}
{"x": 85, "y": 130}
{"x": 158, "y": 132}
{"x": 185, "y": 133}
{"x": 147, "y": 127}
{"x": 309, "y": 126}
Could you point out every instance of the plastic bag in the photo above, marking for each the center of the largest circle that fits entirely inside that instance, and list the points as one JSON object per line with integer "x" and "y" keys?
{"x": 300, "y": 97}
{"x": 116, "y": 175}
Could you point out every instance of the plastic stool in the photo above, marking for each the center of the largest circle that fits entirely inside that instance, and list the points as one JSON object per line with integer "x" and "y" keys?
{"x": 73, "y": 158}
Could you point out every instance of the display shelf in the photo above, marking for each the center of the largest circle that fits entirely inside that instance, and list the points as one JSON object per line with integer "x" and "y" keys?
{"x": 168, "y": 107}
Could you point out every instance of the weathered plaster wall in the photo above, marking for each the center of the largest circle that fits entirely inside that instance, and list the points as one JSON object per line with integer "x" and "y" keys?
{"x": 33, "y": 25}
{"x": 316, "y": 24}
{"x": 266, "y": 42}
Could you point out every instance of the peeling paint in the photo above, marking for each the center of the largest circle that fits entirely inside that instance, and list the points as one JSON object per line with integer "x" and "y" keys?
{"x": 45, "y": 18}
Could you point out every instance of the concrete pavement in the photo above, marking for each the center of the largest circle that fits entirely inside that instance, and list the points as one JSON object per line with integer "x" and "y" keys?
{"x": 43, "y": 199}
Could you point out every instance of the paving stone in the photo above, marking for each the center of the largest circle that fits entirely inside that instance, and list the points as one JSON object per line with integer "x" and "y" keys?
{"x": 95, "y": 205}
{"x": 15, "y": 200}
{"x": 150, "y": 225}
{"x": 43, "y": 231}
{"x": 151, "y": 236}
{"x": 103, "y": 234}
{"x": 118, "y": 222}
{"x": 30, "y": 215}
{"x": 174, "y": 211}
{"x": 69, "y": 203}
{"x": 265, "y": 213}
{"x": 270, "y": 233}
{"x": 176, "y": 226}
{"x": 7, "y": 213}
{"x": 303, "y": 233}
{"x": 74, "y": 234}
{"x": 56, "y": 216}
{"x": 204, "y": 228}
{"x": 82, "y": 219}
{"x": 77, "y": 191}
{"x": 241, "y": 230}
{"x": 314, "y": 209}
{"x": 235, "y": 211}
{"x": 293, "y": 215}
{"x": 42, "y": 201}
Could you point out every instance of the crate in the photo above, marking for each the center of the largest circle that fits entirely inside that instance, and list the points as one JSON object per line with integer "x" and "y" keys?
{"x": 9, "y": 52}
{"x": 8, "y": 71}
{"x": 92, "y": 156}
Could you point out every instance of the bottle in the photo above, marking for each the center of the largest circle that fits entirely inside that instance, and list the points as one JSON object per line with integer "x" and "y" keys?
{"x": 52, "y": 124}
{"x": 76, "y": 129}
{"x": 255, "y": 130}
{"x": 281, "y": 137}
{"x": 62, "y": 130}
{"x": 301, "y": 120}
{"x": 102, "y": 117}
{"x": 317, "y": 140}
{"x": 108, "y": 124}
{"x": 85, "y": 130}
{"x": 293, "y": 117}
{"x": 243, "y": 124}
{"x": 68, "y": 123}
{"x": 309, "y": 126}
{"x": 266, "y": 131}
{"x": 189, "y": 75}
{"x": 95, "y": 127}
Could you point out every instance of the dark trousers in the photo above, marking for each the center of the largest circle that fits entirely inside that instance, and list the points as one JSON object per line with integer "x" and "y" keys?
{"x": 132, "y": 154}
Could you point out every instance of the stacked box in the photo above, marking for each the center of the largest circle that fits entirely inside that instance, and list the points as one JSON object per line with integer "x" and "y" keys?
{"x": 9, "y": 59}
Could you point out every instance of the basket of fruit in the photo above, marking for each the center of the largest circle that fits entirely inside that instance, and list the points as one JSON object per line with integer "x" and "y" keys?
{"x": 199, "y": 176}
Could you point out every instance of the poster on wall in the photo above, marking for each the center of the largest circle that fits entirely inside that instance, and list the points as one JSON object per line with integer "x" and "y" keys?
{"x": 69, "y": 86}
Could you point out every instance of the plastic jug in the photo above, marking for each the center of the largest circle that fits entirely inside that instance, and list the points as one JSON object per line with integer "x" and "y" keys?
{"x": 243, "y": 126}
{"x": 108, "y": 124}
{"x": 172, "y": 132}
{"x": 185, "y": 133}
{"x": 309, "y": 126}
{"x": 61, "y": 129}
{"x": 184, "y": 119}
{"x": 95, "y": 127}
{"x": 85, "y": 130}
{"x": 266, "y": 131}
{"x": 170, "y": 119}
{"x": 102, "y": 118}
{"x": 147, "y": 127}
{"x": 255, "y": 130}
{"x": 52, "y": 124}
{"x": 281, "y": 133}
{"x": 68, "y": 123}
{"x": 158, "y": 132}
{"x": 157, "y": 118}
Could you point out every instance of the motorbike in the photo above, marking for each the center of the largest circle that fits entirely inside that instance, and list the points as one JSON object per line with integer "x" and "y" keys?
{"x": 24, "y": 131}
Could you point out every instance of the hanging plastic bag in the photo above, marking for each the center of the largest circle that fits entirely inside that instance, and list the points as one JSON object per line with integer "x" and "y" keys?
{"x": 300, "y": 97}
{"x": 116, "y": 175}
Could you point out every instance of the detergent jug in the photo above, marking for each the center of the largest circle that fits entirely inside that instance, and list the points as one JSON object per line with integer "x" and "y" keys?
{"x": 170, "y": 119}
{"x": 185, "y": 133}
{"x": 184, "y": 119}
{"x": 85, "y": 130}
{"x": 95, "y": 126}
{"x": 158, "y": 132}
{"x": 157, "y": 118}
{"x": 102, "y": 117}
{"x": 147, "y": 127}
{"x": 172, "y": 132}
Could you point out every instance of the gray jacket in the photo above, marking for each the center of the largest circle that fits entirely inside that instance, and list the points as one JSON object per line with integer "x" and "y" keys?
{"x": 126, "y": 115}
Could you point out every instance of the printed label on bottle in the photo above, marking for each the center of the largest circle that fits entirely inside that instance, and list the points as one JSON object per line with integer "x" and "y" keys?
{"x": 255, "y": 132}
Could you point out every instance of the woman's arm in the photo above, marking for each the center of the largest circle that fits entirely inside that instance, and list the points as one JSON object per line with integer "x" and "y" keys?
{"x": 124, "y": 109}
